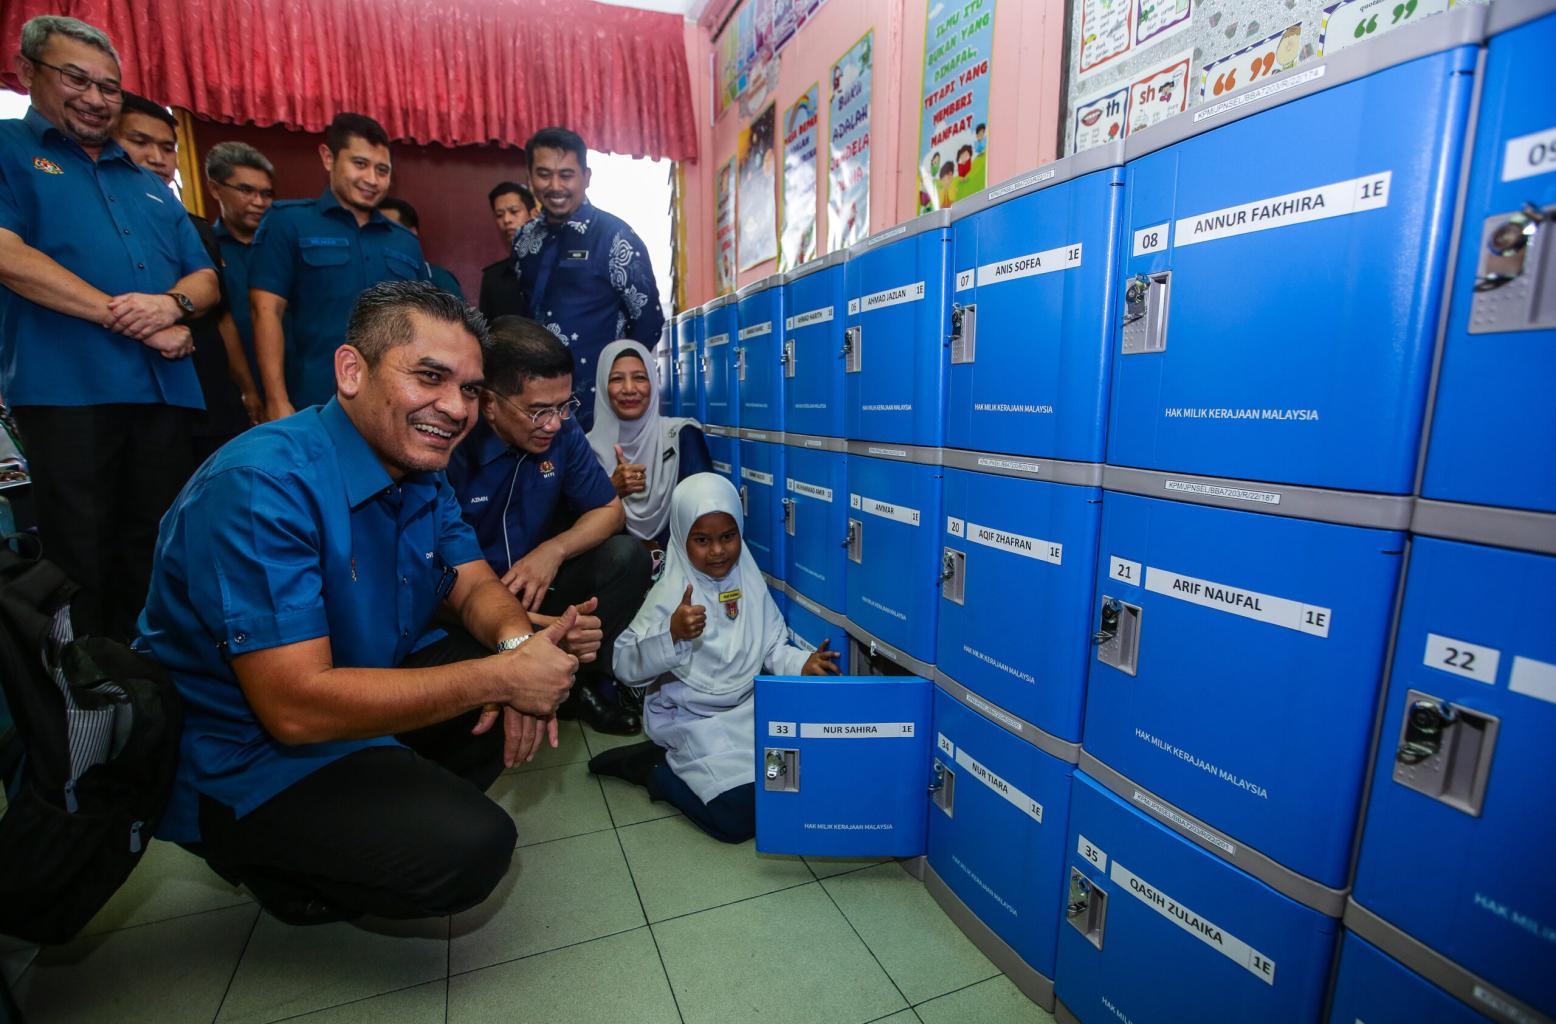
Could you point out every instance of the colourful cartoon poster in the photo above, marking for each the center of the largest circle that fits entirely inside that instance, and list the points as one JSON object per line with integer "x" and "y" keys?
{"x": 1160, "y": 93}
{"x": 954, "y": 108}
{"x": 1277, "y": 51}
{"x": 789, "y": 16}
{"x": 797, "y": 236}
{"x": 1155, "y": 20}
{"x": 1353, "y": 21}
{"x": 1099, "y": 118}
{"x": 757, "y": 202}
{"x": 724, "y": 230}
{"x": 848, "y": 146}
{"x": 1106, "y": 26}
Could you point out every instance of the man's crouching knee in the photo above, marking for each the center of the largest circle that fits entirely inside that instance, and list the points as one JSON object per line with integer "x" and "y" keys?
{"x": 470, "y": 857}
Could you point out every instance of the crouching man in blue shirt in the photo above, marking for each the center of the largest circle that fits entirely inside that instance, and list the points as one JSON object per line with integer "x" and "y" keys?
{"x": 327, "y": 763}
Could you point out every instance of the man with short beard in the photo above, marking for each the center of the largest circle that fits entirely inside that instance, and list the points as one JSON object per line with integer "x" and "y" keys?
{"x": 99, "y": 270}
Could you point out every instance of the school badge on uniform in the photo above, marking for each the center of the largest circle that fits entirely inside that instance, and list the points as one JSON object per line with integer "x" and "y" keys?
{"x": 46, "y": 166}
{"x": 547, "y": 468}
{"x": 731, "y": 601}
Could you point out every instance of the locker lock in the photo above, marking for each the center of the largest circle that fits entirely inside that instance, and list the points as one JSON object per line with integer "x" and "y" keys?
{"x": 854, "y": 542}
{"x": 852, "y": 343}
{"x": 1146, "y": 299}
{"x": 1508, "y": 241}
{"x": 745, "y": 500}
{"x": 788, "y": 516}
{"x": 1087, "y": 909}
{"x": 1117, "y": 637}
{"x": 1424, "y": 730}
{"x": 964, "y": 333}
{"x": 787, "y": 359}
{"x": 1108, "y": 628}
{"x": 781, "y": 770}
{"x": 1445, "y": 750}
{"x": 942, "y": 788}
{"x": 1134, "y": 298}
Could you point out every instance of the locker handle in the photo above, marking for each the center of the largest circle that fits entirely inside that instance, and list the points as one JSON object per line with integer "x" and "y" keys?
{"x": 1509, "y": 241}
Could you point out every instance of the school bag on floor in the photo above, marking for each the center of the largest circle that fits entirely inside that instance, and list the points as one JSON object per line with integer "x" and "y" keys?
{"x": 98, "y": 726}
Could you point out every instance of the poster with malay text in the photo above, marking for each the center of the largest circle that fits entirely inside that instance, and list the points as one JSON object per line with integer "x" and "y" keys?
{"x": 954, "y": 107}
{"x": 848, "y": 146}
{"x": 724, "y": 230}
{"x": 797, "y": 238}
{"x": 756, "y": 204}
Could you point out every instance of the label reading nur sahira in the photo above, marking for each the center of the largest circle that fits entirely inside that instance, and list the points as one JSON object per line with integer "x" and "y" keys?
{"x": 856, "y": 730}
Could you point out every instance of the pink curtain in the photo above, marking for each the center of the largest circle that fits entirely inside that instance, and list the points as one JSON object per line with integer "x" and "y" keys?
{"x": 456, "y": 72}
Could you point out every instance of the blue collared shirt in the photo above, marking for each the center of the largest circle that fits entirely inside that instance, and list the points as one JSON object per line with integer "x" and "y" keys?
{"x": 590, "y": 283}
{"x": 291, "y": 532}
{"x": 510, "y": 496}
{"x": 235, "y": 275}
{"x": 115, "y": 226}
{"x": 312, "y": 253}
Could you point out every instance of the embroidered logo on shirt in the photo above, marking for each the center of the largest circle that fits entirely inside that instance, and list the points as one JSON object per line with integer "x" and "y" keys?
{"x": 46, "y": 166}
{"x": 478, "y": 499}
{"x": 731, "y": 602}
{"x": 547, "y": 469}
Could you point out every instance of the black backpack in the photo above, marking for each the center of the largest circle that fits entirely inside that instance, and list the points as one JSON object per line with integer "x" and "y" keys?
{"x": 98, "y": 726}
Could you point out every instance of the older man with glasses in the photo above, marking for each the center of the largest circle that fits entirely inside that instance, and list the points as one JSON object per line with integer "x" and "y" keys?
{"x": 242, "y": 181}
{"x": 545, "y": 514}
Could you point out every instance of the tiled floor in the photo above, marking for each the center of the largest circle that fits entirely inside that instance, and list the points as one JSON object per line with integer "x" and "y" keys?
{"x": 617, "y": 909}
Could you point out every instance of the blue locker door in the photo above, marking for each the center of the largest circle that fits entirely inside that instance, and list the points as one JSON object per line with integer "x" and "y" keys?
{"x": 1374, "y": 988}
{"x": 1158, "y": 931}
{"x": 842, "y": 765}
{"x": 1015, "y": 616}
{"x": 762, "y": 491}
{"x": 1260, "y": 642}
{"x": 893, "y": 571}
{"x": 664, "y": 371}
{"x": 815, "y": 308}
{"x": 720, "y": 326}
{"x": 1293, "y": 339}
{"x": 817, "y": 495}
{"x": 997, "y": 828}
{"x": 691, "y": 398}
{"x": 759, "y": 344}
{"x": 1030, "y": 373}
{"x": 724, "y": 449}
{"x": 897, "y": 332}
{"x": 1463, "y": 803}
{"x": 1494, "y": 426}
{"x": 808, "y": 630}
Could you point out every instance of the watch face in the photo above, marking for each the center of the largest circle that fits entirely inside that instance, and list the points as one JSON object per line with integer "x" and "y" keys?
{"x": 184, "y": 302}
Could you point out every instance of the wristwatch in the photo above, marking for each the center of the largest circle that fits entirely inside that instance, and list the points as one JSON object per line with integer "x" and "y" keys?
{"x": 513, "y": 642}
{"x": 184, "y": 304}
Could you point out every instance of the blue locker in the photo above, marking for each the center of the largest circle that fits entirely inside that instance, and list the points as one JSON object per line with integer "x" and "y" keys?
{"x": 1463, "y": 768}
{"x": 1157, "y": 930}
{"x": 1493, "y": 436}
{"x": 720, "y": 324}
{"x": 664, "y": 370}
{"x": 816, "y": 515}
{"x": 1242, "y": 669}
{"x": 810, "y": 624}
{"x": 691, "y": 398}
{"x": 894, "y": 377}
{"x": 1372, "y": 987}
{"x": 815, "y": 306}
{"x": 1280, "y": 302}
{"x": 1035, "y": 265}
{"x": 724, "y": 449}
{"x": 761, "y": 490}
{"x": 758, "y": 352}
{"x": 1019, "y": 558}
{"x": 893, "y": 550}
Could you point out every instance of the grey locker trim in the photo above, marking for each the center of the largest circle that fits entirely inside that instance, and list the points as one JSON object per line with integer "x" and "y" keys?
{"x": 1462, "y": 26}
{"x": 1063, "y": 1015}
{"x": 1024, "y": 467}
{"x": 770, "y": 281}
{"x": 774, "y": 583}
{"x": 1327, "y": 901}
{"x": 1509, "y": 14}
{"x": 820, "y": 611}
{"x": 914, "y": 866}
{"x": 932, "y": 221}
{"x": 1480, "y": 524}
{"x": 1048, "y": 175}
{"x": 1033, "y": 985}
{"x": 1439, "y": 970}
{"x": 1047, "y": 742}
{"x": 717, "y": 303}
{"x": 906, "y": 660}
{"x": 897, "y": 452}
{"x": 686, "y": 314}
{"x": 718, "y": 431}
{"x": 770, "y": 436}
{"x": 831, "y": 259}
{"x": 1348, "y": 508}
{"x": 815, "y": 442}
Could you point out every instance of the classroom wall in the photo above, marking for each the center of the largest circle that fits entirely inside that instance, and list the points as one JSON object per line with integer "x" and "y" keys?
{"x": 1024, "y": 108}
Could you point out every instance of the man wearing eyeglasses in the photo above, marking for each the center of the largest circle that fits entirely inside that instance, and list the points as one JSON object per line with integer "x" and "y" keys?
{"x": 100, "y": 270}
{"x": 545, "y": 514}
{"x": 242, "y": 181}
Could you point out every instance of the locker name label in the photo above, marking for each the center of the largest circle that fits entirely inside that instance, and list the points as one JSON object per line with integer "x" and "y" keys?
{"x": 716, "y": 339}
{"x": 810, "y": 490}
{"x": 756, "y": 476}
{"x": 856, "y": 730}
{"x": 1151, "y": 239}
{"x": 814, "y": 316}
{"x": 1250, "y": 604}
{"x": 885, "y": 509}
{"x": 756, "y": 330}
{"x": 1031, "y": 547}
{"x": 891, "y": 297}
{"x": 1369, "y": 192}
{"x": 723, "y": 467}
{"x": 1049, "y": 261}
{"x": 1019, "y": 800}
{"x": 1472, "y": 661}
{"x": 1533, "y": 678}
{"x": 1233, "y": 948}
{"x": 688, "y": 346}
{"x": 1528, "y": 155}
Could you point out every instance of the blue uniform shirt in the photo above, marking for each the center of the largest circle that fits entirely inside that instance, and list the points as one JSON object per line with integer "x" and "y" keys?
{"x": 312, "y": 253}
{"x": 292, "y": 531}
{"x": 444, "y": 278}
{"x": 590, "y": 283}
{"x": 117, "y": 227}
{"x": 235, "y": 275}
{"x": 510, "y": 496}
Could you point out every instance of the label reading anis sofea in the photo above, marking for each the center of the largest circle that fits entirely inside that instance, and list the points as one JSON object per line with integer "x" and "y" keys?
{"x": 756, "y": 330}
{"x": 1369, "y": 192}
{"x": 856, "y": 730}
{"x": 1233, "y": 948}
{"x": 884, "y": 509}
{"x": 1250, "y": 604}
{"x": 1049, "y": 261}
{"x": 1023, "y": 803}
{"x": 891, "y": 297}
{"x": 814, "y": 316}
{"x": 1029, "y": 547}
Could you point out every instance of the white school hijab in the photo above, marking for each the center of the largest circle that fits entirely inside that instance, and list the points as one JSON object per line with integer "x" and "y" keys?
{"x": 729, "y": 653}
{"x": 645, "y": 441}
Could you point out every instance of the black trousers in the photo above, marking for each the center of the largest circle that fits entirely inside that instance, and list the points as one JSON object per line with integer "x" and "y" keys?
{"x": 103, "y": 475}
{"x": 617, "y": 572}
{"x": 388, "y": 831}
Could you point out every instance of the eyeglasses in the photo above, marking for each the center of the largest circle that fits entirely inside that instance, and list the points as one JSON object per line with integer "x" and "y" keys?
{"x": 76, "y": 81}
{"x": 541, "y": 417}
{"x": 249, "y": 192}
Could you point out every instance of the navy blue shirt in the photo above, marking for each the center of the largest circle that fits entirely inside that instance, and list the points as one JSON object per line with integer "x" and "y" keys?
{"x": 444, "y": 278}
{"x": 590, "y": 283}
{"x": 115, "y": 226}
{"x": 291, "y": 532}
{"x": 509, "y": 496}
{"x": 235, "y": 275}
{"x": 312, "y": 253}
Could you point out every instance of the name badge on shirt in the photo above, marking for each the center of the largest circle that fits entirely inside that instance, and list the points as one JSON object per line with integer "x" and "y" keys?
{"x": 578, "y": 254}
{"x": 731, "y": 601}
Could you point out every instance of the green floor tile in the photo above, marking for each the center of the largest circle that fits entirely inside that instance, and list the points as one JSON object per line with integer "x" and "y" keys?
{"x": 287, "y": 971}
{"x": 423, "y": 1004}
{"x": 826, "y": 867}
{"x": 679, "y": 870}
{"x": 614, "y": 980}
{"x": 599, "y": 741}
{"x": 785, "y": 958}
{"x": 630, "y": 804}
{"x": 171, "y": 972}
{"x": 552, "y": 803}
{"x": 570, "y": 749}
{"x": 996, "y": 1001}
{"x": 168, "y": 882}
{"x": 556, "y": 894}
{"x": 922, "y": 951}
{"x": 902, "y": 1017}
